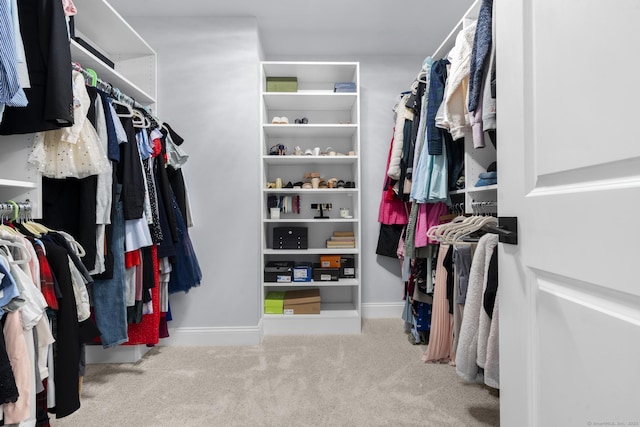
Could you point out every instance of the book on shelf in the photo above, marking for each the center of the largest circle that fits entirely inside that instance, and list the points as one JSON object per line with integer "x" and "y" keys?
{"x": 343, "y": 238}
{"x": 340, "y": 244}
{"x": 343, "y": 234}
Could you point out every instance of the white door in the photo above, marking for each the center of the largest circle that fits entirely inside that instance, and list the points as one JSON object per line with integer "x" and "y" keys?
{"x": 569, "y": 164}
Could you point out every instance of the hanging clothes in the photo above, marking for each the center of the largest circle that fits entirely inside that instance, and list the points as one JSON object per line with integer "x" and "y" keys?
{"x": 440, "y": 340}
{"x": 467, "y": 352}
{"x": 48, "y": 57}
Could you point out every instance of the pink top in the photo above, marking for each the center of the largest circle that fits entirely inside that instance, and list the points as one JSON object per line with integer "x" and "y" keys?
{"x": 392, "y": 210}
{"x": 69, "y": 8}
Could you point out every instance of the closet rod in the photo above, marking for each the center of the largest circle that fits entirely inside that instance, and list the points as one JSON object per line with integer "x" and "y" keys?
{"x": 14, "y": 211}
{"x": 107, "y": 87}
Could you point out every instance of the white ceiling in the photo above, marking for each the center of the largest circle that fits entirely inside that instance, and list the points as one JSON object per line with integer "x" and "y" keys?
{"x": 325, "y": 27}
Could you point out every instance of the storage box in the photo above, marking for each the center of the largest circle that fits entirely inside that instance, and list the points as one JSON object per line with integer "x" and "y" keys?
{"x": 290, "y": 238}
{"x": 325, "y": 274}
{"x": 344, "y": 87}
{"x": 302, "y": 272}
{"x": 274, "y": 302}
{"x": 302, "y": 301}
{"x": 282, "y": 84}
{"x": 278, "y": 271}
{"x": 330, "y": 261}
{"x": 347, "y": 267}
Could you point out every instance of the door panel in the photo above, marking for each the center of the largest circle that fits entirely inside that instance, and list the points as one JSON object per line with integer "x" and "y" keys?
{"x": 584, "y": 358}
{"x": 569, "y": 167}
{"x": 582, "y": 82}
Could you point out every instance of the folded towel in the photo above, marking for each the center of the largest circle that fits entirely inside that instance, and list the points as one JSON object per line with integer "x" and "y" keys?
{"x": 488, "y": 175}
{"x": 485, "y": 182}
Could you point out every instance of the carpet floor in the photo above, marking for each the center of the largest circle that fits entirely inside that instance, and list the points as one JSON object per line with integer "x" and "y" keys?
{"x": 373, "y": 379}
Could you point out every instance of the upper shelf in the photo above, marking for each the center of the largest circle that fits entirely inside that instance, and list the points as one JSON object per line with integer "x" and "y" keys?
{"x": 320, "y": 130}
{"x": 309, "y": 100}
{"x": 88, "y": 60}
{"x": 308, "y": 160}
{"x": 98, "y": 21}
{"x": 313, "y": 72}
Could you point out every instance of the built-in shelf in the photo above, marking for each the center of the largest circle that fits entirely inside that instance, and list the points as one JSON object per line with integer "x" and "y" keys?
{"x": 313, "y": 284}
{"x": 323, "y": 130}
{"x": 332, "y": 122}
{"x": 309, "y": 101}
{"x": 88, "y": 60}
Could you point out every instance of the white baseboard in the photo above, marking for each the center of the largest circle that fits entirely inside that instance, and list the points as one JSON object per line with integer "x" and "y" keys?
{"x": 118, "y": 354}
{"x": 385, "y": 310}
{"x": 219, "y": 336}
{"x": 214, "y": 336}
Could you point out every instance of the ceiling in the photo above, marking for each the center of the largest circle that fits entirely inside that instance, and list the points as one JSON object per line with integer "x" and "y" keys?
{"x": 325, "y": 27}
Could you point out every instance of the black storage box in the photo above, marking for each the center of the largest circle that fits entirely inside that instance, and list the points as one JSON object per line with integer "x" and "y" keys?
{"x": 347, "y": 267}
{"x": 290, "y": 238}
{"x": 325, "y": 274}
{"x": 278, "y": 271}
{"x": 95, "y": 51}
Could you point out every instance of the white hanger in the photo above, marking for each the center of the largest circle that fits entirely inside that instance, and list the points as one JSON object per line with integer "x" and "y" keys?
{"x": 23, "y": 250}
{"x": 140, "y": 120}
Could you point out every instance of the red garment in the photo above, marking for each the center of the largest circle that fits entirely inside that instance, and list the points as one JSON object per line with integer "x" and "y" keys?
{"x": 132, "y": 258}
{"x": 148, "y": 331}
{"x": 47, "y": 286}
{"x": 392, "y": 210}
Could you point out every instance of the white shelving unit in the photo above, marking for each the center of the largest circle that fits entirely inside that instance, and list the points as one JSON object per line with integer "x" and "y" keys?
{"x": 333, "y": 122}
{"x": 476, "y": 160}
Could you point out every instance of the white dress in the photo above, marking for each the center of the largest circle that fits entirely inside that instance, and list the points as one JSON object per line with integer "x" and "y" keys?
{"x": 71, "y": 152}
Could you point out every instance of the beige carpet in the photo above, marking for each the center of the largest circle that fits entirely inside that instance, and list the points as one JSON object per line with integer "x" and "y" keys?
{"x": 372, "y": 379}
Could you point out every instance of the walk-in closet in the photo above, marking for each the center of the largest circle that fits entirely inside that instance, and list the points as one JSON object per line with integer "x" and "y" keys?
{"x": 264, "y": 213}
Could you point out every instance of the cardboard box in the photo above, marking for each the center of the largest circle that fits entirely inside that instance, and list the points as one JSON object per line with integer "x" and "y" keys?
{"x": 282, "y": 84}
{"x": 330, "y": 261}
{"x": 278, "y": 271}
{"x": 302, "y": 301}
{"x": 274, "y": 302}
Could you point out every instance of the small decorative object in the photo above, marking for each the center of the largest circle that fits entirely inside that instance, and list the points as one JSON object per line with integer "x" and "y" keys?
{"x": 321, "y": 207}
{"x": 275, "y": 213}
{"x": 344, "y": 213}
{"x": 278, "y": 182}
{"x": 278, "y": 150}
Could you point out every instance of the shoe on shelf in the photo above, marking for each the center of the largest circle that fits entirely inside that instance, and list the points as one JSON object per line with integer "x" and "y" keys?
{"x": 284, "y": 120}
{"x": 275, "y": 120}
{"x": 340, "y": 184}
{"x": 289, "y": 185}
{"x": 349, "y": 184}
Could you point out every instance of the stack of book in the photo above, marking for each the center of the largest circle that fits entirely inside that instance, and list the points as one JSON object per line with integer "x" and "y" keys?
{"x": 342, "y": 239}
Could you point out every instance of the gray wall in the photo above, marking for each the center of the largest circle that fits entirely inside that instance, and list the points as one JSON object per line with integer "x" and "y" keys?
{"x": 208, "y": 91}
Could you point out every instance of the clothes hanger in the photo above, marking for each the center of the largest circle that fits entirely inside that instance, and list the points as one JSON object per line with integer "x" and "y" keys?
{"x": 25, "y": 259}
{"x": 91, "y": 77}
{"x": 139, "y": 120}
{"x": 116, "y": 100}
{"x": 478, "y": 225}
